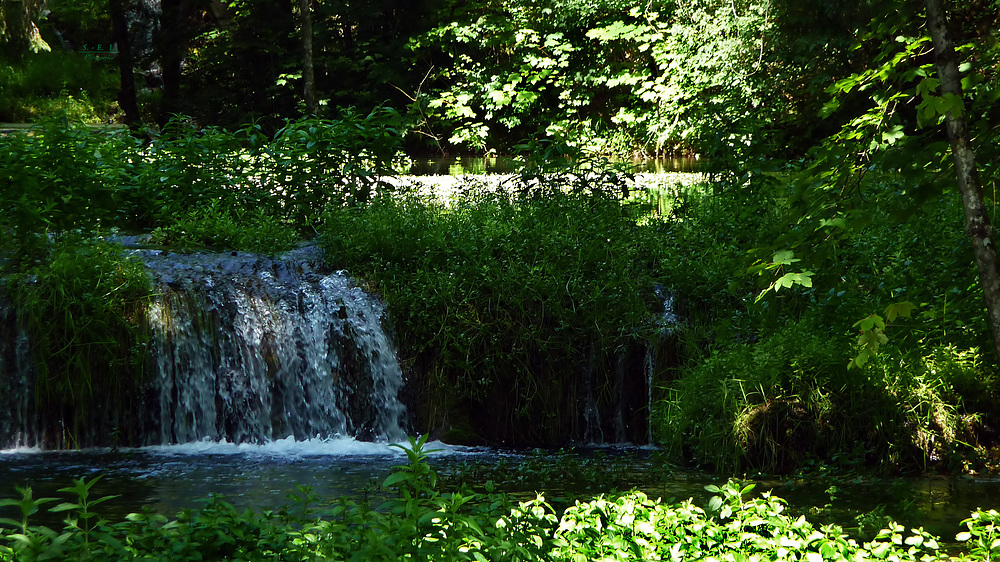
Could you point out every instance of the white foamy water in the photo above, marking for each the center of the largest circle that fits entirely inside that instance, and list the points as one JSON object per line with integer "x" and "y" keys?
{"x": 291, "y": 448}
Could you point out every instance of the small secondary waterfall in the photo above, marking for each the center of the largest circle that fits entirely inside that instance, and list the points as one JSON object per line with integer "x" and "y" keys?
{"x": 614, "y": 404}
{"x": 255, "y": 349}
{"x": 244, "y": 349}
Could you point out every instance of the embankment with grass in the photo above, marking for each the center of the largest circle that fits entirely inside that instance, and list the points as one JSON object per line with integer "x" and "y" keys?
{"x": 523, "y": 308}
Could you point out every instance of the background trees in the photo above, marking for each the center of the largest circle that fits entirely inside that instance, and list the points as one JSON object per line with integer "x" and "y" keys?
{"x": 640, "y": 77}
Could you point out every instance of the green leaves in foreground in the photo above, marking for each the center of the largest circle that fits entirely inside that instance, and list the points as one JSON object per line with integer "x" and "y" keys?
{"x": 423, "y": 523}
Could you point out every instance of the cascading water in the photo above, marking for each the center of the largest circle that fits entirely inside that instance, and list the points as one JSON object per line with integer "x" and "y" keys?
{"x": 664, "y": 326}
{"x": 244, "y": 349}
{"x": 615, "y": 394}
{"x": 255, "y": 349}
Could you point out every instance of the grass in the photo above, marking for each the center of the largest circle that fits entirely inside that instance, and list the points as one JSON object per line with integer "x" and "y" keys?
{"x": 57, "y": 82}
{"x": 83, "y": 306}
{"x": 507, "y": 297}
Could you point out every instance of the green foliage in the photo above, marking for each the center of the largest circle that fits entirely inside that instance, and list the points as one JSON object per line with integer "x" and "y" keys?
{"x": 516, "y": 69}
{"x": 46, "y": 83}
{"x": 763, "y": 405}
{"x": 873, "y": 331}
{"x": 508, "y": 296}
{"x": 62, "y": 176}
{"x": 983, "y": 535}
{"x": 777, "y": 264}
{"x": 764, "y": 382}
{"x": 81, "y": 307}
{"x": 214, "y": 226}
{"x": 51, "y": 181}
{"x": 316, "y": 163}
{"x": 729, "y": 81}
{"x": 698, "y": 75}
{"x": 771, "y": 405}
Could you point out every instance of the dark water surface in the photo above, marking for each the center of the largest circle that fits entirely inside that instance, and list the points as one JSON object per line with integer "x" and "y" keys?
{"x": 170, "y": 478}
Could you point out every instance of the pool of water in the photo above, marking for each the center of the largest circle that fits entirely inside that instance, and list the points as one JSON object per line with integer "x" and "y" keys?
{"x": 170, "y": 478}
{"x": 465, "y": 165}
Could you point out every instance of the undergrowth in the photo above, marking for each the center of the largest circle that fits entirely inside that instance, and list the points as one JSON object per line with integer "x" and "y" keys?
{"x": 766, "y": 382}
{"x": 52, "y": 82}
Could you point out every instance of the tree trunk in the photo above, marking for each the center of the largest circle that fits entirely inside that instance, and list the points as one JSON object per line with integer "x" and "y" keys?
{"x": 978, "y": 225}
{"x": 126, "y": 93}
{"x": 308, "y": 77}
{"x": 15, "y": 30}
{"x": 170, "y": 45}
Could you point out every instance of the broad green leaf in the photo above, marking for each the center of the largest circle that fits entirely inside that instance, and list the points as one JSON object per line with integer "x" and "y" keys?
{"x": 396, "y": 478}
{"x": 784, "y": 257}
{"x": 899, "y": 309}
{"x": 715, "y": 504}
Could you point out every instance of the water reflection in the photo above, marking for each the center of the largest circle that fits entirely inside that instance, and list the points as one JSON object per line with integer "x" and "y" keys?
{"x": 466, "y": 165}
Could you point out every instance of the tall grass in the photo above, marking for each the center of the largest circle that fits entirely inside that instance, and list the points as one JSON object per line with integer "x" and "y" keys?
{"x": 83, "y": 307}
{"x": 509, "y": 300}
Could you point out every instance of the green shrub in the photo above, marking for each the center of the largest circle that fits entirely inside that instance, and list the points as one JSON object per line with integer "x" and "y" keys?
{"x": 765, "y": 406}
{"x": 82, "y": 309}
{"x": 774, "y": 404}
{"x": 61, "y": 176}
{"x": 51, "y": 181}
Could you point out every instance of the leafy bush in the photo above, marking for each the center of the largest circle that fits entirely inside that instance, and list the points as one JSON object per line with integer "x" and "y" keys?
{"x": 51, "y": 181}
{"x": 766, "y": 383}
{"x": 61, "y": 176}
{"x": 766, "y": 405}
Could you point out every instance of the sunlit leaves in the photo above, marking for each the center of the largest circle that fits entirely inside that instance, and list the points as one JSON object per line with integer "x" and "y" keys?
{"x": 872, "y": 328}
{"x": 779, "y": 260}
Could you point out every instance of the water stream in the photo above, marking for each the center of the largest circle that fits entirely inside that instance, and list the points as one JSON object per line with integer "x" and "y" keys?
{"x": 169, "y": 478}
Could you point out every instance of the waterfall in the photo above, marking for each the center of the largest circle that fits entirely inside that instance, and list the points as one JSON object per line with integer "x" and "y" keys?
{"x": 251, "y": 349}
{"x": 664, "y": 325}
